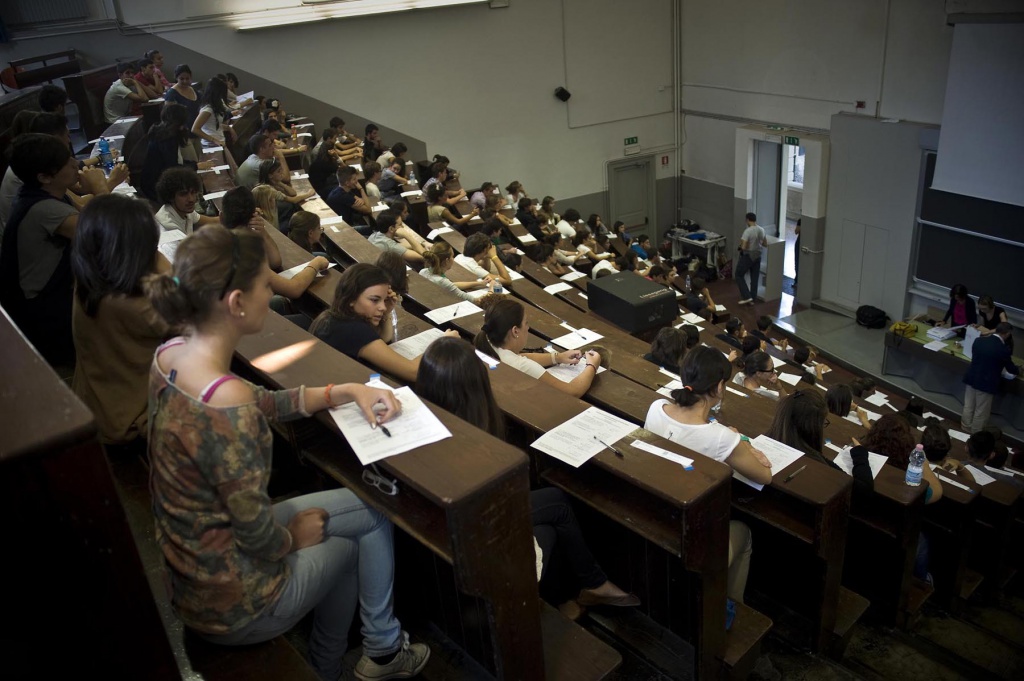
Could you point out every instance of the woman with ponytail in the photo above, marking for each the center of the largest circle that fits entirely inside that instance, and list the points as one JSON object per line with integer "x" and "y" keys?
{"x": 244, "y": 570}
{"x": 684, "y": 420}
{"x": 438, "y": 259}
{"x": 504, "y": 335}
{"x": 359, "y": 321}
{"x": 759, "y": 375}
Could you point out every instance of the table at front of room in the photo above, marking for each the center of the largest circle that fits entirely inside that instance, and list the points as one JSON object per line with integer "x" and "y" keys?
{"x": 943, "y": 372}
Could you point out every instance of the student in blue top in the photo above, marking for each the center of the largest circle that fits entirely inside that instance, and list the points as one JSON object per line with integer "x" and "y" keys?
{"x": 642, "y": 246}
{"x": 989, "y": 358}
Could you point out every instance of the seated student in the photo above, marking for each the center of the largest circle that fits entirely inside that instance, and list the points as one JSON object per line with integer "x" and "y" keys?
{"x": 158, "y": 66}
{"x": 962, "y": 310}
{"x": 305, "y": 230}
{"x": 668, "y": 349}
{"x": 35, "y": 271}
{"x": 453, "y": 174}
{"x": 619, "y": 230}
{"x": 348, "y": 199}
{"x": 684, "y": 420}
{"x": 372, "y": 144}
{"x": 212, "y": 123}
{"x": 764, "y": 323}
{"x": 937, "y": 444}
{"x": 548, "y": 217}
{"x": 147, "y": 80}
{"x": 596, "y": 226}
{"x": 275, "y": 131}
{"x": 604, "y": 267}
{"x": 372, "y": 173}
{"x": 266, "y": 198}
{"x": 238, "y": 210}
{"x": 439, "y": 176}
{"x": 748, "y": 345}
{"x": 116, "y": 330}
{"x": 182, "y": 92}
{"x": 642, "y": 246}
{"x": 981, "y": 449}
{"x": 391, "y": 181}
{"x": 862, "y": 386}
{"x": 494, "y": 230}
{"x": 803, "y": 358}
{"x": 492, "y": 210}
{"x": 404, "y": 232}
{"x": 122, "y": 94}
{"x": 989, "y": 317}
{"x": 527, "y": 216}
{"x": 397, "y": 150}
{"x": 630, "y": 262}
{"x": 438, "y": 210}
{"x": 698, "y": 299}
{"x": 261, "y": 148}
{"x": 52, "y": 99}
{"x": 323, "y": 169}
{"x": 586, "y": 247}
{"x": 286, "y": 198}
{"x": 480, "y": 257}
{"x": 438, "y": 260}
{"x": 515, "y": 193}
{"x": 759, "y": 375}
{"x": 840, "y": 402}
{"x": 568, "y": 224}
{"x": 348, "y": 147}
{"x": 504, "y": 335}
{"x": 453, "y": 377}
{"x": 564, "y": 252}
{"x": 384, "y": 238}
{"x": 800, "y": 421}
{"x": 272, "y": 564}
{"x": 169, "y": 146}
{"x": 734, "y": 333}
{"x": 544, "y": 255}
{"x": 358, "y": 323}
{"x": 479, "y": 197}
{"x": 660, "y": 274}
{"x": 178, "y": 189}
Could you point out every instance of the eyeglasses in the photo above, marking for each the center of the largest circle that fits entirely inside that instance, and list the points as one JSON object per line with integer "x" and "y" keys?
{"x": 377, "y": 479}
{"x": 236, "y": 253}
{"x": 827, "y": 423}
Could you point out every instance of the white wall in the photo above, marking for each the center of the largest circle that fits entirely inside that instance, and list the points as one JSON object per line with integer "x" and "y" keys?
{"x": 476, "y": 83}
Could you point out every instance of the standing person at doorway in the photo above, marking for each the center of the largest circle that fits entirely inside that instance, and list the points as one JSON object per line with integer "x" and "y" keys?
{"x": 751, "y": 243}
{"x": 796, "y": 251}
{"x": 990, "y": 356}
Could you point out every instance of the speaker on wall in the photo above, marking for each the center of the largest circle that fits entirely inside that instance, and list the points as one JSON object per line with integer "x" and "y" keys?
{"x": 562, "y": 94}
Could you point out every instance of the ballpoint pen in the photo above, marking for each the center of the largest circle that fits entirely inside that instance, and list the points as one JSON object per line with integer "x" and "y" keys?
{"x": 795, "y": 473}
{"x": 617, "y": 452}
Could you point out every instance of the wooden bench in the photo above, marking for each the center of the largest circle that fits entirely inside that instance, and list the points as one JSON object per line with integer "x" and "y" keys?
{"x": 41, "y": 72}
{"x": 87, "y": 90}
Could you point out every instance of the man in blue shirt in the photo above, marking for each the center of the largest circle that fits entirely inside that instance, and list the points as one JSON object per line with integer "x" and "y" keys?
{"x": 989, "y": 357}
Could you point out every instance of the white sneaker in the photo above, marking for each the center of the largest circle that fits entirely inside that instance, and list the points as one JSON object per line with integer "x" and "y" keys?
{"x": 746, "y": 301}
{"x": 409, "y": 662}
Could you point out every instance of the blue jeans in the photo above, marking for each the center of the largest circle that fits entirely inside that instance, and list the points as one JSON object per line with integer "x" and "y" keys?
{"x": 745, "y": 265}
{"x": 355, "y": 563}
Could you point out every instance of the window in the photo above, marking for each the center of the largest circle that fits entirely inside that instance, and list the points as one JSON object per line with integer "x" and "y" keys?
{"x": 795, "y": 166}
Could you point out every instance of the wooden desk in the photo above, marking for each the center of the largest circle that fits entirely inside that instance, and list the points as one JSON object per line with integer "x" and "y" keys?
{"x": 72, "y": 551}
{"x": 245, "y": 122}
{"x": 87, "y": 90}
{"x": 467, "y": 504}
{"x": 66, "y": 64}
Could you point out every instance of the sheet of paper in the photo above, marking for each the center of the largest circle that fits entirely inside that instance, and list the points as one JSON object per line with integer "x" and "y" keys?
{"x": 360, "y": 169}
{"x": 527, "y": 239}
{"x": 577, "y": 339}
{"x": 958, "y": 435}
{"x": 304, "y": 134}
{"x": 558, "y": 288}
{"x": 791, "y": 379}
{"x": 214, "y": 195}
{"x": 568, "y": 372}
{"x": 515, "y": 221}
{"x": 124, "y": 188}
{"x": 950, "y": 481}
{"x": 683, "y": 461}
{"x": 514, "y": 276}
{"x": 332, "y": 221}
{"x": 580, "y": 438}
{"x": 300, "y": 176}
{"x": 170, "y": 239}
{"x": 935, "y": 346}
{"x": 720, "y": 308}
{"x": 668, "y": 373}
{"x": 980, "y": 476}
{"x": 463, "y": 308}
{"x": 415, "y": 192}
{"x": 734, "y": 391}
{"x": 434, "y": 233}
{"x": 664, "y": 391}
{"x": 489, "y": 361}
{"x": 778, "y": 454}
{"x": 1003, "y": 471}
{"x": 699, "y": 328}
{"x": 835, "y": 448}
{"x": 210, "y": 150}
{"x": 693, "y": 318}
{"x": 931, "y": 415}
{"x": 292, "y": 271}
{"x": 109, "y": 138}
{"x": 572, "y": 276}
{"x": 379, "y": 207}
{"x": 304, "y": 125}
{"x": 878, "y": 399}
{"x": 776, "y": 362}
{"x": 414, "y": 427}
{"x": 583, "y": 295}
{"x": 414, "y": 346}
{"x": 131, "y": 119}
{"x": 844, "y": 460}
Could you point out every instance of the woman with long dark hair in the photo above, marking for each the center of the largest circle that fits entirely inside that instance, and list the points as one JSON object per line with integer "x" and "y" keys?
{"x": 242, "y": 569}
{"x": 169, "y": 146}
{"x": 211, "y": 124}
{"x": 840, "y": 402}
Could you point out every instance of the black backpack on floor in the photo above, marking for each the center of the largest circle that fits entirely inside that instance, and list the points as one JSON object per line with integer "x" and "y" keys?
{"x": 871, "y": 317}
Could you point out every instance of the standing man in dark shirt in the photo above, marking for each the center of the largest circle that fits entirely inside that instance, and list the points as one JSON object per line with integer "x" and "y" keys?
{"x": 348, "y": 199}
{"x": 372, "y": 145}
{"x": 989, "y": 357}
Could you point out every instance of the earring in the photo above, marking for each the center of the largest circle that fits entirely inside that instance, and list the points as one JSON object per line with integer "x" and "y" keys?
{"x": 242, "y": 313}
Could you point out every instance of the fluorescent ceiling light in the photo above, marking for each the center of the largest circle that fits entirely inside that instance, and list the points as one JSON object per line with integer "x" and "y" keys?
{"x": 334, "y": 9}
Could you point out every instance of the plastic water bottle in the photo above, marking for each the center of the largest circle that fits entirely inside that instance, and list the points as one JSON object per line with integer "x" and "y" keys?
{"x": 394, "y": 327}
{"x": 412, "y": 176}
{"x": 498, "y": 288}
{"x": 106, "y": 158}
{"x": 687, "y": 281}
{"x": 375, "y": 381}
{"x": 915, "y": 466}
{"x": 295, "y": 133}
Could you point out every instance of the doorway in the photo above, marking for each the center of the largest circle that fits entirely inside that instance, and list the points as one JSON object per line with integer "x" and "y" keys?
{"x": 631, "y": 192}
{"x": 768, "y": 185}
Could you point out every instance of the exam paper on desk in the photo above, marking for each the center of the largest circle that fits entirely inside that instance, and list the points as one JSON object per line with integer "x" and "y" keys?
{"x": 463, "y": 308}
{"x": 414, "y": 346}
{"x": 574, "y": 441}
{"x": 844, "y": 459}
{"x": 414, "y": 427}
{"x": 778, "y": 454}
{"x": 568, "y": 372}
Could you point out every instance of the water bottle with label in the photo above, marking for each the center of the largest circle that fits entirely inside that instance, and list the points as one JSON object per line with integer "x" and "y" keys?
{"x": 106, "y": 158}
{"x": 394, "y": 327}
{"x": 375, "y": 381}
{"x": 412, "y": 176}
{"x": 915, "y": 466}
{"x": 687, "y": 282}
{"x": 497, "y": 287}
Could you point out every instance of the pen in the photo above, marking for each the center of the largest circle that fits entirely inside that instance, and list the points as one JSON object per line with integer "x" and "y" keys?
{"x": 795, "y": 473}
{"x": 617, "y": 452}
{"x": 388, "y": 433}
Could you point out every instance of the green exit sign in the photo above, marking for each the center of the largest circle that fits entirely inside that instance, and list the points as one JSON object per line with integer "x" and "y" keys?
{"x": 631, "y": 140}
{"x": 795, "y": 141}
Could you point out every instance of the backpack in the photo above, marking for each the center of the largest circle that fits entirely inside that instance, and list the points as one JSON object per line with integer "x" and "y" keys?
{"x": 871, "y": 317}
{"x": 904, "y": 329}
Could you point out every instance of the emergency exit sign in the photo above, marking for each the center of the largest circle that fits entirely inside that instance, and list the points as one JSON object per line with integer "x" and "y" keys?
{"x": 631, "y": 140}
{"x": 795, "y": 141}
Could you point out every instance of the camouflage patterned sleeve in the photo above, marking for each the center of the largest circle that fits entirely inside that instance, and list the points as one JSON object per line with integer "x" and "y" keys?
{"x": 234, "y": 463}
{"x": 280, "y": 405}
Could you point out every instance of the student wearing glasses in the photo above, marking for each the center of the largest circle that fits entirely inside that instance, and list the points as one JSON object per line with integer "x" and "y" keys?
{"x": 684, "y": 420}
{"x": 760, "y": 376}
{"x": 243, "y": 569}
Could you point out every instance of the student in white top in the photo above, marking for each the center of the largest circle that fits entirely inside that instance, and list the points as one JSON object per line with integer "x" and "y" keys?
{"x": 751, "y": 243}
{"x": 438, "y": 260}
{"x": 684, "y": 420}
{"x": 515, "y": 192}
{"x": 504, "y": 335}
{"x": 178, "y": 190}
{"x": 480, "y": 257}
{"x": 211, "y": 125}
{"x": 585, "y": 244}
{"x": 759, "y": 375}
{"x": 372, "y": 172}
{"x": 117, "y": 102}
{"x": 567, "y": 225}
